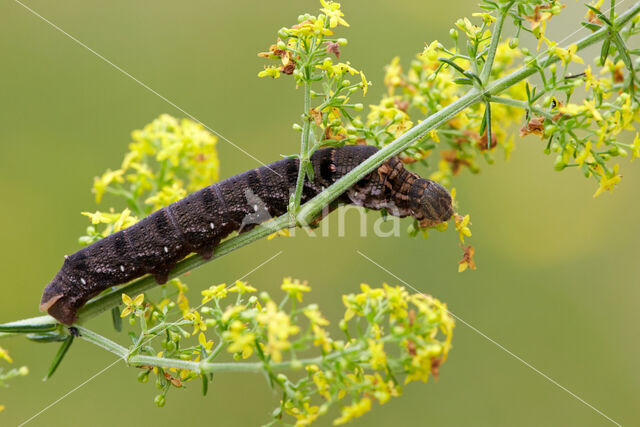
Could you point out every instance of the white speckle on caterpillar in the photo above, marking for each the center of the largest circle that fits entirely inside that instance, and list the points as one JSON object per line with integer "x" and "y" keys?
{"x": 166, "y": 250}
{"x": 255, "y": 208}
{"x": 84, "y": 282}
{"x": 122, "y": 268}
{"x": 211, "y": 225}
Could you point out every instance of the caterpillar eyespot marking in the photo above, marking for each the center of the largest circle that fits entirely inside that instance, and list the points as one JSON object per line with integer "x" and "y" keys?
{"x": 182, "y": 226}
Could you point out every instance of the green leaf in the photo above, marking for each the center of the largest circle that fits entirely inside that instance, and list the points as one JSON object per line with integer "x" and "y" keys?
{"x": 47, "y": 337}
{"x": 205, "y": 384}
{"x": 59, "y": 356}
{"x": 463, "y": 81}
{"x": 591, "y": 26}
{"x": 622, "y": 49}
{"x": 116, "y": 319}
{"x": 600, "y": 15}
{"x": 604, "y": 53}
{"x": 309, "y": 171}
{"x": 25, "y": 329}
{"x": 488, "y": 121}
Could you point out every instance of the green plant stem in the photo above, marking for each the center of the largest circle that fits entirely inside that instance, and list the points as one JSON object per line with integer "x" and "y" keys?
{"x": 519, "y": 104}
{"x": 203, "y": 367}
{"x": 304, "y": 149}
{"x": 313, "y": 207}
{"x": 493, "y": 46}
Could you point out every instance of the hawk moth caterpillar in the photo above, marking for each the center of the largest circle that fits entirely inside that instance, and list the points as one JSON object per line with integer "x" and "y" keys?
{"x": 201, "y": 220}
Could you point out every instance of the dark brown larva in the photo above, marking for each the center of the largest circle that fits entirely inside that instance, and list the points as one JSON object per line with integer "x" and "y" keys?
{"x": 198, "y": 222}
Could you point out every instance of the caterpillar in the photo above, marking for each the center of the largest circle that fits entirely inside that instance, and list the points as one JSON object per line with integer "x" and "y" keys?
{"x": 201, "y": 220}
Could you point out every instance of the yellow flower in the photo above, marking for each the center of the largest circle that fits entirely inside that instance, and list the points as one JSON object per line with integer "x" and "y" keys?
{"x": 365, "y": 84}
{"x": 284, "y": 232}
{"x": 584, "y": 154}
{"x": 198, "y": 323}
{"x": 315, "y": 315}
{"x": 607, "y": 183}
{"x": 353, "y": 411}
{"x": 270, "y": 72}
{"x": 431, "y": 51}
{"x": 462, "y": 225}
{"x": 567, "y": 55}
{"x": 167, "y": 195}
{"x": 207, "y": 345}
{"x": 336, "y": 69}
{"x": 487, "y": 18}
{"x": 131, "y": 305}
{"x": 635, "y": 148}
{"x": 295, "y": 288}
{"x": 1, "y": 408}
{"x": 591, "y": 107}
{"x": 214, "y": 292}
{"x": 4, "y": 354}
{"x": 241, "y": 341}
{"x": 378, "y": 356}
{"x": 100, "y": 184}
{"x": 241, "y": 287}
{"x": 332, "y": 10}
{"x": 572, "y": 109}
{"x": 279, "y": 328}
{"x": 466, "y": 26}
{"x": 321, "y": 338}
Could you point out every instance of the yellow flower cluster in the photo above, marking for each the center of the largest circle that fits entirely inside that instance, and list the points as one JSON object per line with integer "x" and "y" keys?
{"x": 389, "y": 333}
{"x": 167, "y": 159}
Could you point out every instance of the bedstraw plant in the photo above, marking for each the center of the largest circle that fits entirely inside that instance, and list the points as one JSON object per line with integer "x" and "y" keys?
{"x": 456, "y": 106}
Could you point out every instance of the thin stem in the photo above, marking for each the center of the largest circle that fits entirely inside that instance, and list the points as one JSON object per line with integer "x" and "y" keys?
{"x": 493, "y": 46}
{"x": 203, "y": 367}
{"x": 312, "y": 208}
{"x": 304, "y": 148}
{"x": 519, "y": 104}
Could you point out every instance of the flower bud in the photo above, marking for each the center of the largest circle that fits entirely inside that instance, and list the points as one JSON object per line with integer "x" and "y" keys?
{"x": 296, "y": 365}
{"x": 159, "y": 400}
{"x": 553, "y": 68}
{"x": 345, "y": 83}
{"x": 559, "y": 164}
{"x": 513, "y": 43}
{"x": 342, "y": 41}
{"x": 453, "y": 33}
{"x": 283, "y": 33}
{"x": 357, "y": 123}
{"x": 143, "y": 377}
{"x": 281, "y": 45}
{"x": 297, "y": 127}
{"x": 526, "y": 51}
{"x": 23, "y": 371}
{"x": 211, "y": 322}
{"x": 282, "y": 378}
{"x": 358, "y": 107}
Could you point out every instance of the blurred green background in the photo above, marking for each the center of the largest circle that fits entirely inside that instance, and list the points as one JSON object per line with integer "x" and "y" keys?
{"x": 557, "y": 270}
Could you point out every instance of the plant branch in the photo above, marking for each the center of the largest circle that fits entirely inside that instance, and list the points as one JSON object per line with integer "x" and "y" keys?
{"x": 493, "y": 46}
{"x": 202, "y": 367}
{"x": 294, "y": 207}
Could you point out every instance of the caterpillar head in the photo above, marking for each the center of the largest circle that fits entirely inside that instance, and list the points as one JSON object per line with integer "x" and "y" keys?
{"x": 431, "y": 203}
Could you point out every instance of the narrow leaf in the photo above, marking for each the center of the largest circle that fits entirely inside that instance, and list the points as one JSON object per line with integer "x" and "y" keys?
{"x": 604, "y": 53}
{"x": 205, "y": 384}
{"x": 599, "y": 15}
{"x": 622, "y": 49}
{"x": 47, "y": 337}
{"x": 591, "y": 26}
{"x": 59, "y": 356}
{"x": 488, "y": 120}
{"x": 116, "y": 319}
